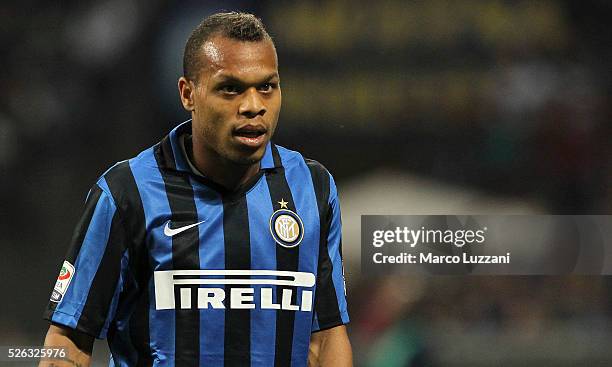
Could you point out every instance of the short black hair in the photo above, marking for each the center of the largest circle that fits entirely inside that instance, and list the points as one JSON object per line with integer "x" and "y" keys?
{"x": 235, "y": 25}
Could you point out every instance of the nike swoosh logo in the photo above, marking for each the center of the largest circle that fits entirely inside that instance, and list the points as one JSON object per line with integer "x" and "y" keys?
{"x": 174, "y": 231}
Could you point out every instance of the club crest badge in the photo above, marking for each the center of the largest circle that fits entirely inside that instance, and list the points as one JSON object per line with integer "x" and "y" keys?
{"x": 286, "y": 228}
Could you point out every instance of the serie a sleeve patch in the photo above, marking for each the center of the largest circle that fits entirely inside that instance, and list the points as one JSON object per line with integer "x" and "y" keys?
{"x": 63, "y": 281}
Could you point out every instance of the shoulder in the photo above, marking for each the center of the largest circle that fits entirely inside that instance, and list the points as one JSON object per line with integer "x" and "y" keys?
{"x": 322, "y": 179}
{"x": 288, "y": 158}
{"x": 120, "y": 180}
{"x": 127, "y": 171}
{"x": 291, "y": 159}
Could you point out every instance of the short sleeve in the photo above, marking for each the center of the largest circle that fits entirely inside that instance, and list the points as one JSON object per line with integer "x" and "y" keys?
{"x": 86, "y": 292}
{"x": 330, "y": 298}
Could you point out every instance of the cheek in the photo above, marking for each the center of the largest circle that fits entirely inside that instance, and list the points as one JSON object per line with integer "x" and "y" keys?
{"x": 220, "y": 111}
{"x": 214, "y": 122}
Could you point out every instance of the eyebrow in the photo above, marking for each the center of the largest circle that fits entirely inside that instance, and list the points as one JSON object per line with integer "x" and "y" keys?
{"x": 224, "y": 78}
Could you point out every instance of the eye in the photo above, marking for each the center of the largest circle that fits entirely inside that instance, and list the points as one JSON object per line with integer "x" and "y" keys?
{"x": 267, "y": 87}
{"x": 229, "y": 89}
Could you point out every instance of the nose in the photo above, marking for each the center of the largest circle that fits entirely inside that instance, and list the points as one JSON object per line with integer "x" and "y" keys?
{"x": 252, "y": 104}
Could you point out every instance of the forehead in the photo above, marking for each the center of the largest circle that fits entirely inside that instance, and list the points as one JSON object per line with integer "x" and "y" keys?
{"x": 242, "y": 59}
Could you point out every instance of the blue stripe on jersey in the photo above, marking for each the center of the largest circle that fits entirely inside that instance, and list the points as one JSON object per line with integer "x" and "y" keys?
{"x": 212, "y": 256}
{"x": 303, "y": 197}
{"x": 263, "y": 256}
{"x": 333, "y": 244}
{"x": 154, "y": 201}
{"x": 87, "y": 262}
{"x": 267, "y": 161}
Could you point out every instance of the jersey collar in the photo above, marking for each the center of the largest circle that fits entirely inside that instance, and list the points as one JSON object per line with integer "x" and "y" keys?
{"x": 175, "y": 159}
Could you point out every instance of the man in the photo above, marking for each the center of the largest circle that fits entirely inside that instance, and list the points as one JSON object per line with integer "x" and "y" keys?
{"x": 215, "y": 247}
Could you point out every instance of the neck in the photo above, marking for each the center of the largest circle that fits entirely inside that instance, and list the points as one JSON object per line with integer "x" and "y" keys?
{"x": 220, "y": 170}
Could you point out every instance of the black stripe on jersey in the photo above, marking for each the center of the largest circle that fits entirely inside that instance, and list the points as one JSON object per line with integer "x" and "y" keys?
{"x": 164, "y": 154}
{"x": 276, "y": 156}
{"x": 122, "y": 185}
{"x": 83, "y": 225}
{"x": 326, "y": 301}
{"x": 139, "y": 329}
{"x": 103, "y": 286}
{"x": 78, "y": 236}
{"x": 286, "y": 259}
{"x": 237, "y": 257}
{"x": 185, "y": 255}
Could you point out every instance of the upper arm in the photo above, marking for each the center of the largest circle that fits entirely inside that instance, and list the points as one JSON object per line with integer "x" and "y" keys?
{"x": 330, "y": 297}
{"x": 87, "y": 290}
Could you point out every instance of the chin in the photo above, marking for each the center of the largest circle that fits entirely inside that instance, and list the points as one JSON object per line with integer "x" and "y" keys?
{"x": 247, "y": 160}
{"x": 243, "y": 156}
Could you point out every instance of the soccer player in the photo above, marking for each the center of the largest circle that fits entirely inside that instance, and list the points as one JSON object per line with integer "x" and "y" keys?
{"x": 214, "y": 247}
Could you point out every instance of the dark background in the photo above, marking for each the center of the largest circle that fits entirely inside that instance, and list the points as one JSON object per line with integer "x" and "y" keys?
{"x": 507, "y": 100}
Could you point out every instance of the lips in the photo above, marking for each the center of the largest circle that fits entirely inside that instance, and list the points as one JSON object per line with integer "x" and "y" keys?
{"x": 250, "y": 135}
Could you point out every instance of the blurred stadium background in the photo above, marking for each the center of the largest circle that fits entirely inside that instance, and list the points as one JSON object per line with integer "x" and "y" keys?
{"x": 438, "y": 106}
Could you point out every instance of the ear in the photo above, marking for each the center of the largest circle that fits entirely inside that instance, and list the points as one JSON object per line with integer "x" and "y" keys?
{"x": 186, "y": 92}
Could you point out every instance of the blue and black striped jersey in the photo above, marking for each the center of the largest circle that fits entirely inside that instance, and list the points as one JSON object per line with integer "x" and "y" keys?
{"x": 177, "y": 271}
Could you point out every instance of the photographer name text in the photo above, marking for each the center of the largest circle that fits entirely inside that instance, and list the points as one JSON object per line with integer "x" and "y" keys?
{"x": 433, "y": 239}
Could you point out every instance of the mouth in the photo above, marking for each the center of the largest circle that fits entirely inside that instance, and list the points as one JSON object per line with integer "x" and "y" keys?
{"x": 250, "y": 135}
